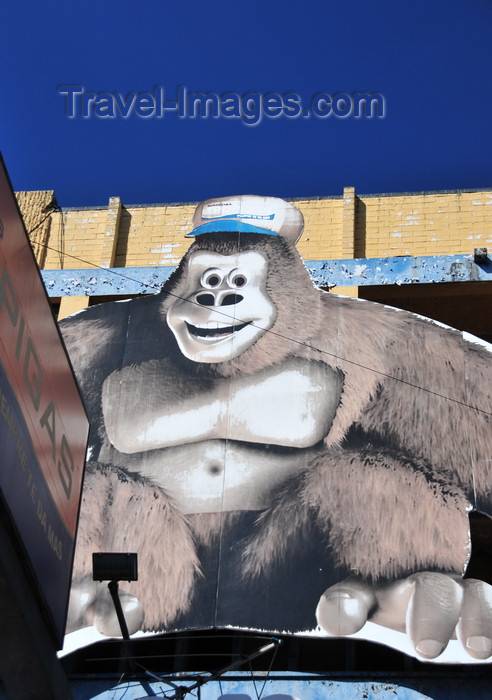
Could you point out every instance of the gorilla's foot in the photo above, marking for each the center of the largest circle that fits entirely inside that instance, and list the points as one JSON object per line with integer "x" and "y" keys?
{"x": 345, "y": 608}
{"x": 430, "y": 607}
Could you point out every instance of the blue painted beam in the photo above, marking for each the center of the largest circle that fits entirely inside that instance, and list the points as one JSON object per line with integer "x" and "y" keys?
{"x": 105, "y": 281}
{"x": 325, "y": 273}
{"x": 399, "y": 270}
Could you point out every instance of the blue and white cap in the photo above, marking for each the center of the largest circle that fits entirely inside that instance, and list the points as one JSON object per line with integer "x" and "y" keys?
{"x": 248, "y": 213}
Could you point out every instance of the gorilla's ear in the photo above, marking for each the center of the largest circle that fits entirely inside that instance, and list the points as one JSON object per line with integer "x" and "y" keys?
{"x": 480, "y": 564}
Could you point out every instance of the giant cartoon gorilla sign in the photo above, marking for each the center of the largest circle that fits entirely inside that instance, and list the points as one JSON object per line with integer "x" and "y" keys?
{"x": 280, "y": 457}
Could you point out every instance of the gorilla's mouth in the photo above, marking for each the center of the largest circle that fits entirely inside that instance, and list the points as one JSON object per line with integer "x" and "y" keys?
{"x": 214, "y": 331}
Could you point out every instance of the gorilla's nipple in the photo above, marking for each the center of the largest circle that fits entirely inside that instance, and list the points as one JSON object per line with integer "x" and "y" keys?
{"x": 214, "y": 469}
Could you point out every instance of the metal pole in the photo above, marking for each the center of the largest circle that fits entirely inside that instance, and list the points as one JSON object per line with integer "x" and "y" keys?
{"x": 113, "y": 589}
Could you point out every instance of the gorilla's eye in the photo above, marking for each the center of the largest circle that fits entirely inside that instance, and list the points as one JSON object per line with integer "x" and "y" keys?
{"x": 237, "y": 279}
{"x": 212, "y": 278}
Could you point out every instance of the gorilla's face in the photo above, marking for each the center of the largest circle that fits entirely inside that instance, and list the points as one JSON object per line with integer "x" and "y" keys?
{"x": 225, "y": 308}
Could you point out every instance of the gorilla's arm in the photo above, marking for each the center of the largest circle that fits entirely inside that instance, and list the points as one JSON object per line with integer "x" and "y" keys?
{"x": 94, "y": 339}
{"x": 150, "y": 519}
{"x": 414, "y": 385}
{"x": 106, "y": 337}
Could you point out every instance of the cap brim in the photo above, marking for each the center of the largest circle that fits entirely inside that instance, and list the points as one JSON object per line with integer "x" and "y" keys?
{"x": 227, "y": 226}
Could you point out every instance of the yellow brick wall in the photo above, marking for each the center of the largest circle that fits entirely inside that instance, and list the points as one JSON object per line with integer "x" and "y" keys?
{"x": 335, "y": 228}
{"x": 35, "y": 208}
{"x": 323, "y": 228}
{"x": 427, "y": 224}
{"x": 76, "y": 239}
{"x": 153, "y": 235}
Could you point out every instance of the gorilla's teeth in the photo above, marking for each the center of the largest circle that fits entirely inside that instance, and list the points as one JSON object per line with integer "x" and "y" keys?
{"x": 213, "y": 330}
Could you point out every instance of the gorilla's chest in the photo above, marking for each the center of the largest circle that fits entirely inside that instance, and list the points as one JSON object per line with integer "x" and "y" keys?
{"x": 291, "y": 405}
{"x": 222, "y": 443}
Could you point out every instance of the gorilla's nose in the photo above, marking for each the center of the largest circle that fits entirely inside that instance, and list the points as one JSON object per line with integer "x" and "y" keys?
{"x": 231, "y": 299}
{"x": 207, "y": 299}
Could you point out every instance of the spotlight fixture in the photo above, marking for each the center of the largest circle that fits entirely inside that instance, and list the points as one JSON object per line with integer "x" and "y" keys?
{"x": 114, "y": 567}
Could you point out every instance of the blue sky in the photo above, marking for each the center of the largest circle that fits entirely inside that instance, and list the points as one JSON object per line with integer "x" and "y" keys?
{"x": 431, "y": 62}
